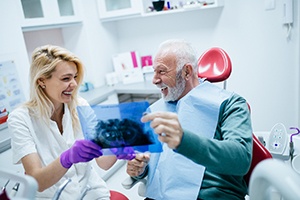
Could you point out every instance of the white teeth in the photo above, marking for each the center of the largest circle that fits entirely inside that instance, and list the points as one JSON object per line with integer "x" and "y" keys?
{"x": 67, "y": 92}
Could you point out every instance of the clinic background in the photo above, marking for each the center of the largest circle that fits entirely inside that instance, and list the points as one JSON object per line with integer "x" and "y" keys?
{"x": 264, "y": 56}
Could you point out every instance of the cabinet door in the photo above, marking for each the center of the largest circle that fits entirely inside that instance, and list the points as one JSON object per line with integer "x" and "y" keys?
{"x": 119, "y": 8}
{"x": 41, "y": 13}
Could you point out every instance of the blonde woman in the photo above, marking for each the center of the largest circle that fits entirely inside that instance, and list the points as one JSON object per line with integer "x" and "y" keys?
{"x": 46, "y": 132}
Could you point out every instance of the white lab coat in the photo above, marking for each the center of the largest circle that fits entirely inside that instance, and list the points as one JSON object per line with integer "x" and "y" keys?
{"x": 30, "y": 134}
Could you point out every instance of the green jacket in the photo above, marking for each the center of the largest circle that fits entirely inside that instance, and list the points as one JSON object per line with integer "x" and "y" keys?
{"x": 227, "y": 157}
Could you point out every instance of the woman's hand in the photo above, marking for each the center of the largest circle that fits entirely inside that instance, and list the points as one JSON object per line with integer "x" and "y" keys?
{"x": 81, "y": 151}
{"x": 125, "y": 153}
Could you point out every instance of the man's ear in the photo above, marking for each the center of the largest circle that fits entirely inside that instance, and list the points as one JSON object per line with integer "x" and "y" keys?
{"x": 187, "y": 71}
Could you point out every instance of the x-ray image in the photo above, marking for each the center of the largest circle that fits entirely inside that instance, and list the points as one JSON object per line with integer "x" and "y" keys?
{"x": 118, "y": 126}
{"x": 120, "y": 133}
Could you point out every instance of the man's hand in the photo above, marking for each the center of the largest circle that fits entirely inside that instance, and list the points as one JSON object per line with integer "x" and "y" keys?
{"x": 137, "y": 166}
{"x": 167, "y": 126}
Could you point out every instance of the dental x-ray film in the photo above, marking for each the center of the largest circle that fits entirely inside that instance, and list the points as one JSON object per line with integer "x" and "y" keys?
{"x": 117, "y": 127}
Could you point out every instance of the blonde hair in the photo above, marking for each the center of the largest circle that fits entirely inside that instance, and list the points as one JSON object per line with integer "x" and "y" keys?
{"x": 44, "y": 61}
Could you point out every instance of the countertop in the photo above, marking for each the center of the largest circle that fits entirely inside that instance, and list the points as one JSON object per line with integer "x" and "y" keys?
{"x": 95, "y": 96}
{"x": 100, "y": 94}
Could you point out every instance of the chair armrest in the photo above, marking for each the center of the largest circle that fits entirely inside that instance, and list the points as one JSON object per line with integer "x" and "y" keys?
{"x": 129, "y": 182}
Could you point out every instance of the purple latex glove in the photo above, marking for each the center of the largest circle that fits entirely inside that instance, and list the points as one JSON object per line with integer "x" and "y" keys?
{"x": 126, "y": 153}
{"x": 81, "y": 151}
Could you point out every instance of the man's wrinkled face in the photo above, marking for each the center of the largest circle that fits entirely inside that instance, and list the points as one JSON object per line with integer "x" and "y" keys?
{"x": 171, "y": 83}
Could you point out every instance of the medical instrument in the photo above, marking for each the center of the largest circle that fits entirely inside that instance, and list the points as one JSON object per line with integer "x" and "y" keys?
{"x": 292, "y": 150}
{"x": 4, "y": 186}
{"x": 279, "y": 146}
{"x": 60, "y": 189}
{"x": 3, "y": 194}
{"x": 14, "y": 190}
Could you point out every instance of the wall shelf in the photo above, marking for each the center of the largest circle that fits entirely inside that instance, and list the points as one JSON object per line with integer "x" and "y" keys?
{"x": 180, "y": 10}
{"x": 140, "y": 10}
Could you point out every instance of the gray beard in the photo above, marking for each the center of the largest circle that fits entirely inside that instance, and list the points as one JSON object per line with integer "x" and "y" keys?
{"x": 175, "y": 92}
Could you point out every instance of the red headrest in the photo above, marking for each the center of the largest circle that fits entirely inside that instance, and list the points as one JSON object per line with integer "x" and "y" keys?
{"x": 214, "y": 65}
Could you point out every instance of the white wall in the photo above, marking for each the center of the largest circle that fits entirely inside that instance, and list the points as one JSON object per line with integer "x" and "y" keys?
{"x": 12, "y": 46}
{"x": 265, "y": 62}
{"x": 96, "y": 44}
{"x": 34, "y": 39}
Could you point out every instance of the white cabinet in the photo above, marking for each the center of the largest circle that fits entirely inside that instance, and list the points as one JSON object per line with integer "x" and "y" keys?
{"x": 40, "y": 14}
{"x": 115, "y": 9}
{"x": 122, "y": 9}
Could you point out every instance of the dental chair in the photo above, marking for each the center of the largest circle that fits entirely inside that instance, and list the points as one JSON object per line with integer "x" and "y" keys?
{"x": 115, "y": 195}
{"x": 215, "y": 66}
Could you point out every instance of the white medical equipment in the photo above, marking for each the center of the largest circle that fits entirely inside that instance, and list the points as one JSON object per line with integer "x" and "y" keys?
{"x": 274, "y": 175}
{"x": 282, "y": 144}
{"x": 18, "y": 186}
{"x": 279, "y": 178}
{"x": 278, "y": 142}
